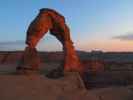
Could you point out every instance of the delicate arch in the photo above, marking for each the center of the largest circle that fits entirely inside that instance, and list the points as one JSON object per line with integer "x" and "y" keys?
{"x": 50, "y": 20}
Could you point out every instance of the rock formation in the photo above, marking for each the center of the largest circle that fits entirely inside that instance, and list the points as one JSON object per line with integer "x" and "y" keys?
{"x": 39, "y": 87}
{"x": 50, "y": 20}
{"x": 30, "y": 61}
{"x": 69, "y": 87}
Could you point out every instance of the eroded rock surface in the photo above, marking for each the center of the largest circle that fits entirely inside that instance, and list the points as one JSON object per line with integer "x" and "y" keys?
{"x": 50, "y": 20}
{"x": 38, "y": 87}
{"x": 30, "y": 61}
{"x": 69, "y": 87}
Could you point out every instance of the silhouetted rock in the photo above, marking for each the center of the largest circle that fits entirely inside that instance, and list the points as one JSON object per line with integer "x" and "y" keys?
{"x": 55, "y": 73}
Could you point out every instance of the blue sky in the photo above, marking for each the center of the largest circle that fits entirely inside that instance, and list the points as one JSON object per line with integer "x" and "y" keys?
{"x": 95, "y": 24}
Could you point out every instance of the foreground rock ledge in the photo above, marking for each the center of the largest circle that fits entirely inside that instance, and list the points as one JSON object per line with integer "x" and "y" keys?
{"x": 39, "y": 87}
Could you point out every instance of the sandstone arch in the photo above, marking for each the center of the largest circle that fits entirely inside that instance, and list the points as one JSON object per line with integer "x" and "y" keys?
{"x": 49, "y": 20}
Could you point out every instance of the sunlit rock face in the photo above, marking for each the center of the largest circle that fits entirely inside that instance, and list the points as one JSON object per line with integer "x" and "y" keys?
{"x": 50, "y": 20}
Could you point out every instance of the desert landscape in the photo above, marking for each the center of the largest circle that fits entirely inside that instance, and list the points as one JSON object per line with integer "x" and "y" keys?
{"x": 107, "y": 75}
{"x": 66, "y": 50}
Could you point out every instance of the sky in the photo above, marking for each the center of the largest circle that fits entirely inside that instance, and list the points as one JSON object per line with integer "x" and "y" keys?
{"x": 105, "y": 25}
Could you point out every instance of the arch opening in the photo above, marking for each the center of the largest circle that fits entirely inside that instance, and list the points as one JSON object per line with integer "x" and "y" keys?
{"x": 49, "y": 20}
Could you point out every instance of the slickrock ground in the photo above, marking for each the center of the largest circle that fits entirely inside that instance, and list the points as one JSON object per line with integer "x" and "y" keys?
{"x": 39, "y": 87}
{"x": 116, "y": 78}
{"x": 114, "y": 93}
{"x": 69, "y": 87}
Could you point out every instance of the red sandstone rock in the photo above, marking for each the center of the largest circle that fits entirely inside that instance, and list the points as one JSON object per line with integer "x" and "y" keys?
{"x": 30, "y": 60}
{"x": 50, "y": 20}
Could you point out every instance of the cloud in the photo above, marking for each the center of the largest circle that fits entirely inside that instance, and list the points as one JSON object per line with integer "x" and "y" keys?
{"x": 49, "y": 45}
{"x": 17, "y": 42}
{"x": 128, "y": 36}
{"x": 12, "y": 45}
